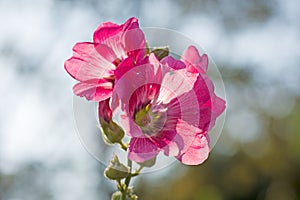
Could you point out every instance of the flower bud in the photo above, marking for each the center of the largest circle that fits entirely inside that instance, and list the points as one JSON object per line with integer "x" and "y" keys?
{"x": 111, "y": 131}
{"x": 116, "y": 170}
{"x": 131, "y": 195}
{"x": 116, "y": 196}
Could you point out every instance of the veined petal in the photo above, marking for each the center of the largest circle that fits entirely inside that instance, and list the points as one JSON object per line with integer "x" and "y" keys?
{"x": 197, "y": 152}
{"x": 183, "y": 139}
{"x": 132, "y": 78}
{"x": 108, "y": 29}
{"x": 203, "y": 88}
{"x": 134, "y": 39}
{"x": 92, "y": 92}
{"x": 171, "y": 62}
{"x": 175, "y": 83}
{"x": 121, "y": 38}
{"x": 142, "y": 149}
{"x": 210, "y": 111}
{"x": 88, "y": 64}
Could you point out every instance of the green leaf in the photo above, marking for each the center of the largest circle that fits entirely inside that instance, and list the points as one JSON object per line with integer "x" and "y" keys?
{"x": 116, "y": 170}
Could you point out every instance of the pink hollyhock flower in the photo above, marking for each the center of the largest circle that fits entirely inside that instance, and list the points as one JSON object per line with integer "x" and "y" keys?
{"x": 163, "y": 102}
{"x": 93, "y": 64}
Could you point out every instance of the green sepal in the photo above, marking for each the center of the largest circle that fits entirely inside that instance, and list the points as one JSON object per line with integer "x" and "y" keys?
{"x": 148, "y": 163}
{"x": 116, "y": 170}
{"x": 161, "y": 52}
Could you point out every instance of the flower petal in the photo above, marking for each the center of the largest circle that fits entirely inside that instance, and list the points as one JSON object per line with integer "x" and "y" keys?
{"x": 197, "y": 153}
{"x": 121, "y": 38}
{"x": 219, "y": 106}
{"x": 185, "y": 134}
{"x": 129, "y": 63}
{"x": 134, "y": 39}
{"x": 108, "y": 29}
{"x": 171, "y": 62}
{"x": 130, "y": 80}
{"x": 92, "y": 92}
{"x": 203, "y": 88}
{"x": 193, "y": 61}
{"x": 90, "y": 62}
{"x": 142, "y": 149}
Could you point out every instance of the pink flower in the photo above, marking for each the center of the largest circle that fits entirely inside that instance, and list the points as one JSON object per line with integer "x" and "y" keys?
{"x": 169, "y": 106}
{"x": 94, "y": 64}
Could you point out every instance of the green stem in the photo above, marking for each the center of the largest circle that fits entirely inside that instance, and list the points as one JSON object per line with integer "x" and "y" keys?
{"x": 119, "y": 185}
{"x": 127, "y": 180}
{"x": 139, "y": 169}
{"x": 123, "y": 146}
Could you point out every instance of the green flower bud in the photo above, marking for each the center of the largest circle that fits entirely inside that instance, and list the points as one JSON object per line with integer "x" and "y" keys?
{"x": 116, "y": 196}
{"x": 116, "y": 170}
{"x": 130, "y": 195}
{"x": 111, "y": 132}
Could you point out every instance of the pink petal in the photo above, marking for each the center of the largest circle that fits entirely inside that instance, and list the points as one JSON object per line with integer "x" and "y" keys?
{"x": 122, "y": 39}
{"x": 108, "y": 29}
{"x": 197, "y": 153}
{"x": 142, "y": 96}
{"x": 92, "y": 92}
{"x": 185, "y": 134}
{"x": 87, "y": 64}
{"x": 129, "y": 81}
{"x": 207, "y": 119}
{"x": 134, "y": 39}
{"x": 133, "y": 60}
{"x": 141, "y": 149}
{"x": 175, "y": 83}
{"x": 204, "y": 89}
{"x": 193, "y": 61}
{"x": 126, "y": 65}
{"x": 171, "y": 62}
{"x": 219, "y": 105}
{"x": 164, "y": 138}
{"x": 215, "y": 109}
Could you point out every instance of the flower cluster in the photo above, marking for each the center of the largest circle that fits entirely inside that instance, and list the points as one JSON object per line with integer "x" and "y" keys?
{"x": 168, "y": 104}
{"x": 165, "y": 104}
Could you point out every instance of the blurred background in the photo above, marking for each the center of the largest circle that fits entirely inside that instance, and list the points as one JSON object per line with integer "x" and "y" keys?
{"x": 255, "y": 44}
